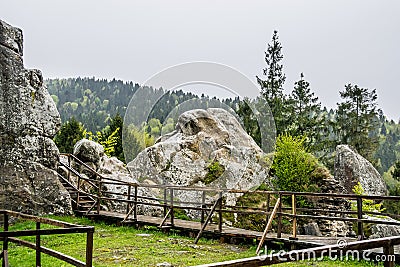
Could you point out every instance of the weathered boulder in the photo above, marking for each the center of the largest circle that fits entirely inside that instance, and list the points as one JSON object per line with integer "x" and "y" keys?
{"x": 383, "y": 230}
{"x": 351, "y": 168}
{"x": 89, "y": 152}
{"x": 208, "y": 148}
{"x": 311, "y": 228}
{"x": 28, "y": 121}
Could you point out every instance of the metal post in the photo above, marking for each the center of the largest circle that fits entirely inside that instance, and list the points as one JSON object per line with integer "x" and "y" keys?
{"x": 38, "y": 258}
{"x": 360, "y": 230}
{"x": 279, "y": 230}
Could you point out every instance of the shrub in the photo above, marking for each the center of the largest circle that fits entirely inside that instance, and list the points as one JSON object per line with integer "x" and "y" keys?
{"x": 293, "y": 166}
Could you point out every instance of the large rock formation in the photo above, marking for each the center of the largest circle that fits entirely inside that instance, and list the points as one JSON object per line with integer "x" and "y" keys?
{"x": 92, "y": 154}
{"x": 208, "y": 148}
{"x": 351, "y": 168}
{"x": 28, "y": 122}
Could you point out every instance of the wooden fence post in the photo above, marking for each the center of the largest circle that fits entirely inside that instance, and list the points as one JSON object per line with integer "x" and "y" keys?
{"x": 99, "y": 197}
{"x": 388, "y": 252}
{"x": 38, "y": 258}
{"x": 135, "y": 203}
{"x": 172, "y": 205}
{"x": 294, "y": 217}
{"x": 89, "y": 248}
{"x": 5, "y": 241}
{"x": 220, "y": 212}
{"x": 69, "y": 165}
{"x": 203, "y": 206}
{"x": 360, "y": 230}
{"x": 165, "y": 200}
{"x": 268, "y": 204}
{"x": 279, "y": 230}
{"x": 128, "y": 204}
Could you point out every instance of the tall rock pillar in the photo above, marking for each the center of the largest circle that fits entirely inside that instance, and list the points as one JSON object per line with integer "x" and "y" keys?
{"x": 28, "y": 121}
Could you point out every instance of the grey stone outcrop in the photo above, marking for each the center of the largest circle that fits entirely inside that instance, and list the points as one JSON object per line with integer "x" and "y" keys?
{"x": 351, "y": 168}
{"x": 28, "y": 122}
{"x": 203, "y": 139}
{"x": 89, "y": 151}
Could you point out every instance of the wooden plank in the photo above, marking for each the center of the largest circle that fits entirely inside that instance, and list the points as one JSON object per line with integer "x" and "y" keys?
{"x": 278, "y": 202}
{"x": 203, "y": 227}
{"x": 50, "y": 252}
{"x": 72, "y": 230}
{"x": 305, "y": 253}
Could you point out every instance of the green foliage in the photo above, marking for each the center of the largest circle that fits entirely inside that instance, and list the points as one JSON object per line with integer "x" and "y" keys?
{"x": 356, "y": 120}
{"x": 306, "y": 118}
{"x": 272, "y": 86}
{"x": 215, "y": 170}
{"x": 109, "y": 143}
{"x": 293, "y": 165}
{"x": 396, "y": 171}
{"x": 393, "y": 185}
{"x": 71, "y": 132}
{"x": 91, "y": 101}
{"x": 115, "y": 128}
{"x": 368, "y": 205}
{"x": 136, "y": 140}
{"x": 117, "y": 246}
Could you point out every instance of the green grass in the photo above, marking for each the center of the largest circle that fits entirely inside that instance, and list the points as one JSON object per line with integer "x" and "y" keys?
{"x": 127, "y": 246}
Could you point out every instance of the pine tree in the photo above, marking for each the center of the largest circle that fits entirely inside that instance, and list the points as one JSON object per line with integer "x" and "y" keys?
{"x": 306, "y": 117}
{"x": 357, "y": 120}
{"x": 396, "y": 172}
{"x": 71, "y": 132}
{"x": 272, "y": 87}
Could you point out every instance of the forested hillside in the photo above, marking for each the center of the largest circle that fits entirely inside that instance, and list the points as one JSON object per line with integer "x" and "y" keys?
{"x": 98, "y": 107}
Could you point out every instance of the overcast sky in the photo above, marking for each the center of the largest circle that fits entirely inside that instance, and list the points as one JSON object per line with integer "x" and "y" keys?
{"x": 332, "y": 42}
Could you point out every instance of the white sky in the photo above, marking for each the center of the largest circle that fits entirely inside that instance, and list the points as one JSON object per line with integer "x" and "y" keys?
{"x": 332, "y": 42}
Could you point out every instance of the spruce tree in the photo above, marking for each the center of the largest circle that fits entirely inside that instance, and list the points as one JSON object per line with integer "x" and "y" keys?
{"x": 71, "y": 132}
{"x": 306, "y": 117}
{"x": 357, "y": 120}
{"x": 396, "y": 172}
{"x": 272, "y": 86}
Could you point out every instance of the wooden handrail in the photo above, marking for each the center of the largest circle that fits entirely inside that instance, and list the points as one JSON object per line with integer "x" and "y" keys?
{"x": 282, "y": 211}
{"x": 68, "y": 228}
{"x": 297, "y": 255}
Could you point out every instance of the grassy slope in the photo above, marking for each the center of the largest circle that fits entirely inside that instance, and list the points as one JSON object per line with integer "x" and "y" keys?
{"x": 125, "y": 246}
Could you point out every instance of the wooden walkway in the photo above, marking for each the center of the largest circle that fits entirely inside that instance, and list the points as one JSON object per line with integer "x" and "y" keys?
{"x": 90, "y": 200}
{"x": 227, "y": 231}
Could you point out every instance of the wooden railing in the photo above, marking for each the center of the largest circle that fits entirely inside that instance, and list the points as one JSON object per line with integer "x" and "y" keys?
{"x": 67, "y": 228}
{"x": 216, "y": 209}
{"x": 337, "y": 252}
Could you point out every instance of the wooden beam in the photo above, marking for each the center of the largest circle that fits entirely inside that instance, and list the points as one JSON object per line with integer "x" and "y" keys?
{"x": 269, "y": 224}
{"x": 304, "y": 254}
{"x": 203, "y": 227}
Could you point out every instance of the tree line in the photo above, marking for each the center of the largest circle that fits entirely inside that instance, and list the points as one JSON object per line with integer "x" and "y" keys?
{"x": 94, "y": 108}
